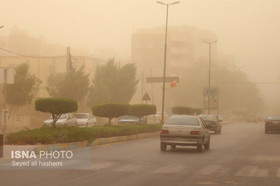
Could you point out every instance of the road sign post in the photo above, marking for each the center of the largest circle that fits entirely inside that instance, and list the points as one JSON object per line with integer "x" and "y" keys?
{"x": 146, "y": 97}
{"x": 210, "y": 99}
{"x": 1, "y": 146}
{"x": 6, "y": 77}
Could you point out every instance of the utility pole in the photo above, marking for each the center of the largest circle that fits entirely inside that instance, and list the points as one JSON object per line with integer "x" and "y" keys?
{"x": 2, "y": 137}
{"x": 69, "y": 64}
{"x": 165, "y": 50}
{"x": 6, "y": 76}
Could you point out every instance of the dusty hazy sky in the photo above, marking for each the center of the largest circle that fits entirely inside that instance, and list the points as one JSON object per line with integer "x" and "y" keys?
{"x": 249, "y": 30}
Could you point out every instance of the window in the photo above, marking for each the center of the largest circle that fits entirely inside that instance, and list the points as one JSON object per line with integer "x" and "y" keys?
{"x": 182, "y": 120}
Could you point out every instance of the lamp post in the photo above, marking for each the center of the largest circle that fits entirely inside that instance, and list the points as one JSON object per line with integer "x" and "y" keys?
{"x": 164, "y": 64}
{"x": 3, "y": 126}
{"x": 209, "y": 77}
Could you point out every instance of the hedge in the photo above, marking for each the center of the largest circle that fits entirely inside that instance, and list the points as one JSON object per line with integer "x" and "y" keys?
{"x": 65, "y": 134}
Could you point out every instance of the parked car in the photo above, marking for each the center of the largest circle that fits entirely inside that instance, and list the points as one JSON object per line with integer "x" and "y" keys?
{"x": 85, "y": 119}
{"x": 64, "y": 119}
{"x": 131, "y": 119}
{"x": 272, "y": 123}
{"x": 213, "y": 122}
{"x": 185, "y": 130}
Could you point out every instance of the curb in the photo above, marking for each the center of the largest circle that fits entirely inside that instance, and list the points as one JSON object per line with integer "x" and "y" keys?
{"x": 96, "y": 142}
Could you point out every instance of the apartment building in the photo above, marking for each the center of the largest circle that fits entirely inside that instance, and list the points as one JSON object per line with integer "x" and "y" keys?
{"x": 185, "y": 47}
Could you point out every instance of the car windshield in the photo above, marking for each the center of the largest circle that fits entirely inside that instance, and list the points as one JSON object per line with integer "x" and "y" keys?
{"x": 182, "y": 120}
{"x": 81, "y": 116}
{"x": 274, "y": 118}
{"x": 128, "y": 117}
{"x": 208, "y": 117}
{"x": 63, "y": 116}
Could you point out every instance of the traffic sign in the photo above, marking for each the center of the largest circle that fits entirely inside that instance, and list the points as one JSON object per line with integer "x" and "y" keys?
{"x": 146, "y": 97}
{"x": 212, "y": 95}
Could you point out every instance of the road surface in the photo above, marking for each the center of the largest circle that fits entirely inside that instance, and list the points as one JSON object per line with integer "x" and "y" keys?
{"x": 241, "y": 155}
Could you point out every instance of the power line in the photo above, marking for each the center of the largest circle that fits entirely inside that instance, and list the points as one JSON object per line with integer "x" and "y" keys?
{"x": 44, "y": 57}
{"x": 17, "y": 54}
{"x": 85, "y": 67}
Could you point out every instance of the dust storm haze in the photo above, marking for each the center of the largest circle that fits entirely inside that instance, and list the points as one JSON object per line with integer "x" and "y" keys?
{"x": 247, "y": 30}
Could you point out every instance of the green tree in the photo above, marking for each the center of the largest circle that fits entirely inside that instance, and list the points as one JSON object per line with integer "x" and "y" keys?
{"x": 110, "y": 110}
{"x": 233, "y": 85}
{"x": 140, "y": 110}
{"x": 113, "y": 84}
{"x": 73, "y": 84}
{"x": 56, "y": 106}
{"x": 25, "y": 87}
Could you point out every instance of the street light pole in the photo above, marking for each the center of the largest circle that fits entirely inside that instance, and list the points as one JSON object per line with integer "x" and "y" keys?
{"x": 2, "y": 137}
{"x": 164, "y": 64}
{"x": 209, "y": 73}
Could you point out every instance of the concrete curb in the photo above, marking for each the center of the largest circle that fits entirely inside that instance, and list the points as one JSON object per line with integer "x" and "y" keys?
{"x": 96, "y": 142}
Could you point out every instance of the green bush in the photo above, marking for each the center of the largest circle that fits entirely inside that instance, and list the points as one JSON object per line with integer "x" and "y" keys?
{"x": 140, "y": 110}
{"x": 110, "y": 110}
{"x": 65, "y": 134}
{"x": 186, "y": 110}
{"x": 56, "y": 106}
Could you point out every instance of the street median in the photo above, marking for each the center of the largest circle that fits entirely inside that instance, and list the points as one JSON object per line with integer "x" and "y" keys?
{"x": 96, "y": 142}
{"x": 66, "y": 137}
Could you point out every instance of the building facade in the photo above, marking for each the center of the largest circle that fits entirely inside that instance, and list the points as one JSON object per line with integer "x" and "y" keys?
{"x": 184, "y": 47}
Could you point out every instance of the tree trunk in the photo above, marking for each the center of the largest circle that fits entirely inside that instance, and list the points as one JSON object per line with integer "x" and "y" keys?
{"x": 110, "y": 121}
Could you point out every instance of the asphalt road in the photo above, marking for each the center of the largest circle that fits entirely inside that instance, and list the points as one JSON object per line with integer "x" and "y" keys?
{"x": 241, "y": 155}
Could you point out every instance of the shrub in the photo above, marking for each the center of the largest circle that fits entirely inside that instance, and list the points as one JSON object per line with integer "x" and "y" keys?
{"x": 56, "y": 106}
{"x": 65, "y": 134}
{"x": 186, "y": 110}
{"x": 140, "y": 110}
{"x": 110, "y": 110}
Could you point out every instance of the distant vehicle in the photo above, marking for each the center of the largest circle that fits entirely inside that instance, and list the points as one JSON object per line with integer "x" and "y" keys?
{"x": 185, "y": 130}
{"x": 213, "y": 121}
{"x": 272, "y": 123}
{"x": 65, "y": 119}
{"x": 131, "y": 119}
{"x": 85, "y": 119}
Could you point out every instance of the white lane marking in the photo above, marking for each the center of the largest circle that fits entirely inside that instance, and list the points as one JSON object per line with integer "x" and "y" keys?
{"x": 102, "y": 165}
{"x": 169, "y": 169}
{"x": 209, "y": 169}
{"x": 252, "y": 171}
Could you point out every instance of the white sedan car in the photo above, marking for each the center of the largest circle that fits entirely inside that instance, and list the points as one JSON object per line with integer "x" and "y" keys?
{"x": 64, "y": 119}
{"x": 85, "y": 119}
{"x": 185, "y": 130}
